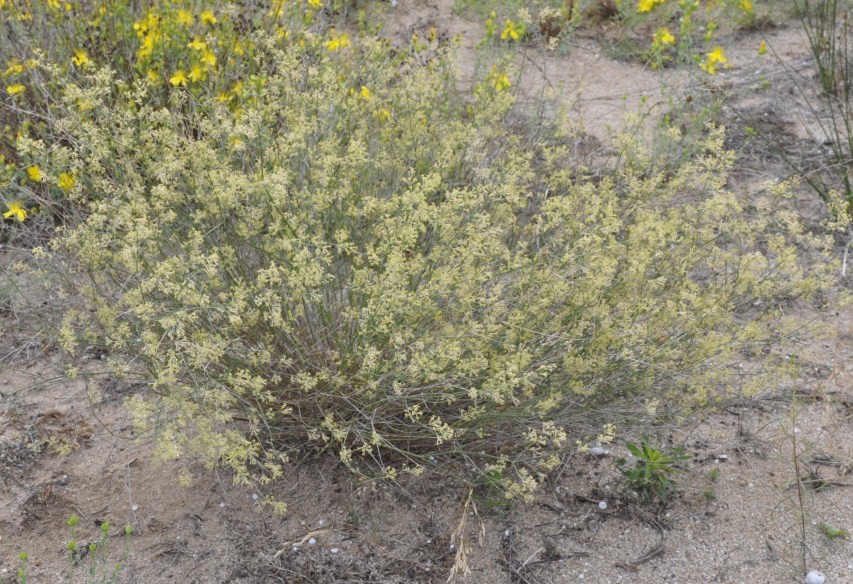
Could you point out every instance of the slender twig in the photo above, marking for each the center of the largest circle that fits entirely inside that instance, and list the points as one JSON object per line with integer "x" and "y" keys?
{"x": 799, "y": 481}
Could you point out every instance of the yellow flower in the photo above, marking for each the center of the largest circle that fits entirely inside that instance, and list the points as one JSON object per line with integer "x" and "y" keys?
{"x": 746, "y": 6}
{"x": 316, "y": 3}
{"x": 712, "y": 59}
{"x": 153, "y": 76}
{"x": 648, "y": 5}
{"x": 196, "y": 73}
{"x": 365, "y": 92}
{"x": 185, "y": 18}
{"x": 15, "y": 89}
{"x": 17, "y": 210}
{"x": 762, "y": 48}
{"x": 499, "y": 80}
{"x": 382, "y": 114}
{"x": 338, "y": 41}
{"x": 80, "y": 58}
{"x": 179, "y": 78}
{"x": 13, "y": 68}
{"x": 147, "y": 48}
{"x": 510, "y": 31}
{"x": 66, "y": 181}
{"x": 209, "y": 59}
{"x": 663, "y": 38}
{"x": 207, "y": 17}
{"x": 34, "y": 172}
{"x": 197, "y": 45}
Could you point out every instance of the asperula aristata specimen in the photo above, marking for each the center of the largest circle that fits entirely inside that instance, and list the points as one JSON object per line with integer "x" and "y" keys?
{"x": 815, "y": 577}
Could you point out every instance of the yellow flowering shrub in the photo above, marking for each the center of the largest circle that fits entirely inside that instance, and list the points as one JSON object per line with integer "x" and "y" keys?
{"x": 202, "y": 47}
{"x": 685, "y": 31}
{"x": 305, "y": 239}
{"x": 408, "y": 290}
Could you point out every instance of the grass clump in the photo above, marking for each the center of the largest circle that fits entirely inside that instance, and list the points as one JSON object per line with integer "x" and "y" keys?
{"x": 827, "y": 27}
{"x": 349, "y": 255}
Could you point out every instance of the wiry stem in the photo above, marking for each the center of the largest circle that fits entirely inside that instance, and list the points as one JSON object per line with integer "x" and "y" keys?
{"x": 798, "y": 478}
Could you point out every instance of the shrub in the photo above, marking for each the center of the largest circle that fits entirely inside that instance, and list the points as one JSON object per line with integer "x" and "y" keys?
{"x": 831, "y": 46}
{"x": 351, "y": 256}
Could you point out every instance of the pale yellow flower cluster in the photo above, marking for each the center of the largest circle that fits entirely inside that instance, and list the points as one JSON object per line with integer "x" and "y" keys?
{"x": 396, "y": 290}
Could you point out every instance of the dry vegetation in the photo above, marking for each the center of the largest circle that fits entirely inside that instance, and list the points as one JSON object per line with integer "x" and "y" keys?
{"x": 297, "y": 296}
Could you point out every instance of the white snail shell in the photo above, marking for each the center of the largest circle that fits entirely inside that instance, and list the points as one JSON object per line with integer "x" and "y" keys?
{"x": 815, "y": 577}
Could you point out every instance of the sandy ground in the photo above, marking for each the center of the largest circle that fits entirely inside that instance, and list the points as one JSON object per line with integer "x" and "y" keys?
{"x": 67, "y": 446}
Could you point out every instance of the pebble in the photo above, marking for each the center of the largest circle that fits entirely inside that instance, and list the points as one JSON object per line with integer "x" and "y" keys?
{"x": 312, "y": 541}
{"x": 602, "y": 505}
{"x": 815, "y": 577}
{"x": 597, "y": 451}
{"x": 334, "y": 550}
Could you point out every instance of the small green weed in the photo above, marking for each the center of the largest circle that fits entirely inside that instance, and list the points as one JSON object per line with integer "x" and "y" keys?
{"x": 490, "y": 490}
{"x": 650, "y": 475}
{"x": 833, "y": 532}
{"x": 710, "y": 492}
{"x": 97, "y": 569}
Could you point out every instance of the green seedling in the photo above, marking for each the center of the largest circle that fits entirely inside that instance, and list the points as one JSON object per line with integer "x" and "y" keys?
{"x": 652, "y": 471}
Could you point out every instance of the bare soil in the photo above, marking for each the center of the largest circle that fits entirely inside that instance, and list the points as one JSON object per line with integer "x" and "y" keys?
{"x": 67, "y": 446}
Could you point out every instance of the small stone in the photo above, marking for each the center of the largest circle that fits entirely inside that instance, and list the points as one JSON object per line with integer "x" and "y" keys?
{"x": 334, "y": 550}
{"x": 134, "y": 508}
{"x": 294, "y": 549}
{"x": 602, "y": 505}
{"x": 312, "y": 541}
{"x": 815, "y": 577}
{"x": 597, "y": 451}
